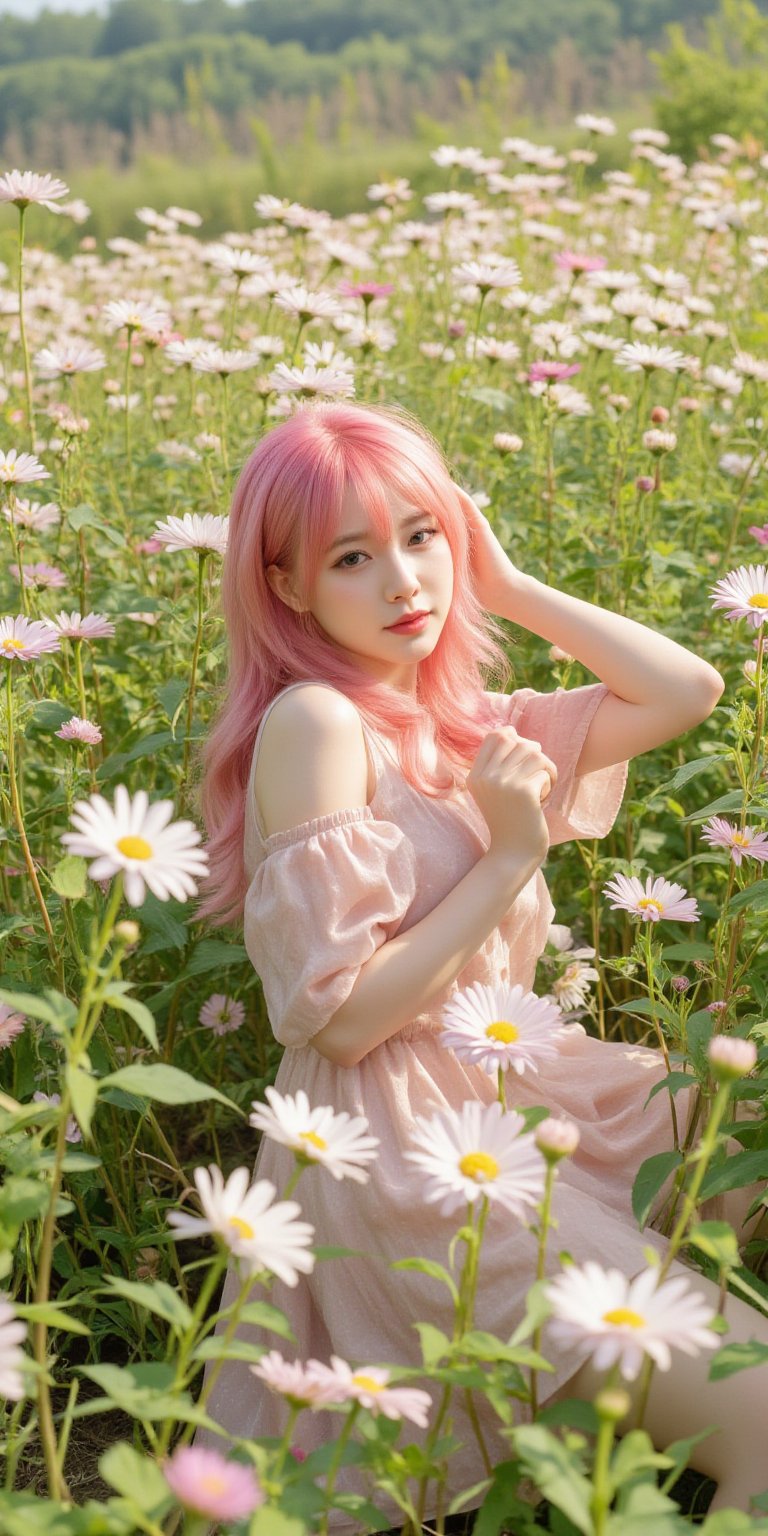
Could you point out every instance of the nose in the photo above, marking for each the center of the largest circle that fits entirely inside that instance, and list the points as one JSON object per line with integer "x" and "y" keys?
{"x": 402, "y": 580}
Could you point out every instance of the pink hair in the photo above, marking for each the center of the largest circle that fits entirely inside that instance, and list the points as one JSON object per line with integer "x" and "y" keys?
{"x": 285, "y": 511}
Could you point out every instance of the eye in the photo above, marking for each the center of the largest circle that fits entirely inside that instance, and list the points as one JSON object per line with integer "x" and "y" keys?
{"x": 342, "y": 566}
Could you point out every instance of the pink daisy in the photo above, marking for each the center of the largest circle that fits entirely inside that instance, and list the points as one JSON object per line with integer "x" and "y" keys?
{"x": 310, "y": 1386}
{"x": 210, "y": 1485}
{"x": 221, "y": 1014}
{"x": 579, "y": 261}
{"x": 78, "y": 626}
{"x": 743, "y": 594}
{"x": 743, "y": 842}
{"x": 549, "y": 371}
{"x": 369, "y": 1386}
{"x": 761, "y": 534}
{"x": 11, "y": 1025}
{"x": 40, "y": 575}
{"x": 23, "y": 639}
{"x": 658, "y": 899}
{"x": 77, "y": 729}
{"x": 366, "y": 291}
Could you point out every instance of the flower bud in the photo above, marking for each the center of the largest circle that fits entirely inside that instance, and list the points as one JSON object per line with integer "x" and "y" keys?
{"x": 507, "y": 442}
{"x": 613, "y": 1403}
{"x": 659, "y": 442}
{"x": 731, "y": 1057}
{"x": 127, "y": 932}
{"x": 659, "y": 415}
{"x": 680, "y": 983}
{"x": 750, "y": 670}
{"x": 556, "y": 653}
{"x": 645, "y": 483}
{"x": 556, "y": 1138}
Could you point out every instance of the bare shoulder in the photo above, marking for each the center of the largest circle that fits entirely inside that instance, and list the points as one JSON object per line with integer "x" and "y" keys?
{"x": 312, "y": 759}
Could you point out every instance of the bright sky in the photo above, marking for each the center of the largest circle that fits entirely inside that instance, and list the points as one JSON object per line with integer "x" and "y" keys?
{"x": 30, "y": 8}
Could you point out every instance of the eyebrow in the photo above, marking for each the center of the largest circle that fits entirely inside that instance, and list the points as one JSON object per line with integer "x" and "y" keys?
{"x": 356, "y": 538}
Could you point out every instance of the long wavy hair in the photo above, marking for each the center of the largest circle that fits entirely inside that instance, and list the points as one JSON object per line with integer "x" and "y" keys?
{"x": 285, "y": 511}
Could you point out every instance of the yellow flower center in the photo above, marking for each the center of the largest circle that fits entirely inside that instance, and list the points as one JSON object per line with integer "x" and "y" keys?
{"x": 738, "y": 837}
{"x": 649, "y": 901}
{"x": 479, "y": 1166}
{"x": 506, "y": 1033}
{"x": 758, "y": 600}
{"x": 212, "y": 1483}
{"x": 624, "y": 1317}
{"x": 368, "y": 1384}
{"x": 314, "y": 1141}
{"x": 241, "y": 1227}
{"x": 12, "y": 644}
{"x": 134, "y": 847}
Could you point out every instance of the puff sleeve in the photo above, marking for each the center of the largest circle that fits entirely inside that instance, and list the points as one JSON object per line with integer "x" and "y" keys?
{"x": 559, "y": 721}
{"x": 325, "y": 897}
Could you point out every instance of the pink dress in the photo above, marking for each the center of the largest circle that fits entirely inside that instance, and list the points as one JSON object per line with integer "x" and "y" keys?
{"x": 323, "y": 896}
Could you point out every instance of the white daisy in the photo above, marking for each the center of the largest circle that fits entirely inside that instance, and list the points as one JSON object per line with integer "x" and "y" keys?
{"x": 639, "y": 356}
{"x": 600, "y": 125}
{"x": 296, "y": 299}
{"x": 209, "y": 358}
{"x": 135, "y": 837}
{"x": 12, "y": 1331}
{"x": 338, "y": 1141}
{"x": 571, "y": 989}
{"x": 21, "y": 468}
{"x": 486, "y": 275}
{"x": 624, "y": 1320}
{"x": 658, "y": 899}
{"x": 369, "y": 1386}
{"x": 262, "y": 1234}
{"x": 500, "y": 1028}
{"x": 309, "y": 382}
{"x": 743, "y": 594}
{"x": 67, "y": 357}
{"x": 135, "y": 315}
{"x": 477, "y": 1150}
{"x": 206, "y": 533}
{"x": 25, "y": 187}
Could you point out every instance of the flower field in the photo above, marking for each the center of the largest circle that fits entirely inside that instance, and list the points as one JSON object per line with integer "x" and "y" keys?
{"x": 592, "y": 353}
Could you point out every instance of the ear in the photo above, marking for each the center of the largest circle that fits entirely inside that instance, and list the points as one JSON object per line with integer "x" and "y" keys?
{"x": 280, "y": 582}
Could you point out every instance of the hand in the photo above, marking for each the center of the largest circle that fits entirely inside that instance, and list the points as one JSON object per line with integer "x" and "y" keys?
{"x": 493, "y": 573}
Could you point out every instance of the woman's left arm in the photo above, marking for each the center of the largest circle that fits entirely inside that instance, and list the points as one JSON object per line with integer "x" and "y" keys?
{"x": 659, "y": 689}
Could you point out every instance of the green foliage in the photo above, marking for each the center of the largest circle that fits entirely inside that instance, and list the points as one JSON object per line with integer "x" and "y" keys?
{"x": 719, "y": 87}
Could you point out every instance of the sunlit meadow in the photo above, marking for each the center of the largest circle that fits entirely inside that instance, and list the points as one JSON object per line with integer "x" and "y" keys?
{"x": 593, "y": 355}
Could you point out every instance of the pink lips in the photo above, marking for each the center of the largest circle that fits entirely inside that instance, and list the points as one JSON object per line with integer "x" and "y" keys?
{"x": 410, "y": 625}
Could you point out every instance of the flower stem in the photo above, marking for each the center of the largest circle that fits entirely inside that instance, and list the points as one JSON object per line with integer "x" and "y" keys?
{"x": 544, "y": 1226}
{"x": 23, "y": 332}
{"x": 19, "y": 820}
{"x": 201, "y": 559}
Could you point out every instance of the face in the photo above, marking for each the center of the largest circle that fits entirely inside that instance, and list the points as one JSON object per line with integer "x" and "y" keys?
{"x": 364, "y": 585}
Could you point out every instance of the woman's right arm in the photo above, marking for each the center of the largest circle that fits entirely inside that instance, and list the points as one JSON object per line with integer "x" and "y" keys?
{"x": 313, "y": 762}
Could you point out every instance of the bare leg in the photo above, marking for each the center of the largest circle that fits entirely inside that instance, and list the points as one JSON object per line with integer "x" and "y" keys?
{"x": 682, "y": 1401}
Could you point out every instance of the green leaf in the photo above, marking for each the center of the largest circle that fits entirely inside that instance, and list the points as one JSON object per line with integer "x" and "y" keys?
{"x": 737, "y": 1357}
{"x": 50, "y": 1006}
{"x": 501, "y": 1503}
{"x": 689, "y": 771}
{"x": 48, "y": 715}
{"x": 555, "y": 1473}
{"x": 10, "y": 921}
{"x": 718, "y": 1240}
{"x": 53, "y": 1315}
{"x": 267, "y": 1521}
{"x": 672, "y": 1083}
{"x": 429, "y": 1267}
{"x": 136, "y": 1010}
{"x": 263, "y": 1315}
{"x": 216, "y": 1348}
{"x": 735, "y": 1173}
{"x": 165, "y": 1084}
{"x": 69, "y": 877}
{"x": 692, "y": 951}
{"x": 21, "y": 1199}
{"x": 155, "y": 1296}
{"x": 651, "y": 1175}
{"x": 730, "y": 802}
{"x": 138, "y": 1478}
{"x": 213, "y": 955}
{"x": 635, "y": 1453}
{"x": 754, "y": 895}
{"x": 84, "y": 1090}
{"x": 435, "y": 1345}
